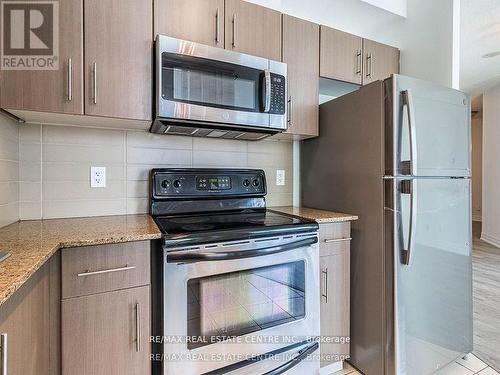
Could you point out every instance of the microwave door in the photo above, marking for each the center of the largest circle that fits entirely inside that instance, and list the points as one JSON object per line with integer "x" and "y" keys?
{"x": 194, "y": 88}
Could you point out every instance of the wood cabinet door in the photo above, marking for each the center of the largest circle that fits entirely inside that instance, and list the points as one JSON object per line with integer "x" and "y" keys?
{"x": 58, "y": 90}
{"x": 118, "y": 58}
{"x": 25, "y": 320}
{"x": 107, "y": 333}
{"x": 301, "y": 53}
{"x": 380, "y": 61}
{"x": 334, "y": 309}
{"x": 253, "y": 29}
{"x": 341, "y": 55}
{"x": 200, "y": 21}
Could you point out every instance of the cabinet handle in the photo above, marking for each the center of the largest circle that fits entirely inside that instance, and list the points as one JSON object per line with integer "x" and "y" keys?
{"x": 94, "y": 74}
{"x": 325, "y": 294}
{"x": 138, "y": 327}
{"x": 330, "y": 240}
{"x": 234, "y": 31}
{"x": 290, "y": 110}
{"x": 217, "y": 27}
{"x": 369, "y": 65}
{"x": 359, "y": 62}
{"x": 70, "y": 80}
{"x": 90, "y": 273}
{"x": 3, "y": 347}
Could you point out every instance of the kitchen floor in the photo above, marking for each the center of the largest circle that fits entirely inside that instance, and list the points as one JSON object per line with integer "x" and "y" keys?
{"x": 486, "y": 268}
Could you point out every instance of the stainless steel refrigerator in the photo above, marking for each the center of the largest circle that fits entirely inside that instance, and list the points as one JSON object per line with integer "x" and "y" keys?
{"x": 397, "y": 153}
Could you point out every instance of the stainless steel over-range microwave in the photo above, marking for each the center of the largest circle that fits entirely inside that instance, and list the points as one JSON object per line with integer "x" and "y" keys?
{"x": 208, "y": 91}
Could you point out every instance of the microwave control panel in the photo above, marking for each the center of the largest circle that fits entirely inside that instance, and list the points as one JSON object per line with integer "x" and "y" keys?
{"x": 278, "y": 94}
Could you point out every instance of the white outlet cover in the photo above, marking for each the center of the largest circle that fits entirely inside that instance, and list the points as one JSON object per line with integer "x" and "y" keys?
{"x": 97, "y": 177}
{"x": 280, "y": 177}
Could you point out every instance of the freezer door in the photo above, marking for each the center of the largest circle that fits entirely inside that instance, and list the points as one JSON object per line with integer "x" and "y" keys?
{"x": 428, "y": 129}
{"x": 431, "y": 221}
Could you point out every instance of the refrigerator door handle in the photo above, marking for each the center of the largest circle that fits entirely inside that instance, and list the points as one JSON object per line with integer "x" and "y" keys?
{"x": 407, "y": 100}
{"x": 410, "y": 187}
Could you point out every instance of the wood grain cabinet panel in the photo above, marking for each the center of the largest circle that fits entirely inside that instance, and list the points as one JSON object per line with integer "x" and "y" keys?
{"x": 200, "y": 21}
{"x": 380, "y": 61}
{"x": 335, "y": 291}
{"x": 58, "y": 90}
{"x": 107, "y": 333}
{"x": 118, "y": 58}
{"x": 341, "y": 55}
{"x": 301, "y": 53}
{"x": 252, "y": 29}
{"x": 30, "y": 319}
{"x": 334, "y": 308}
{"x": 103, "y": 268}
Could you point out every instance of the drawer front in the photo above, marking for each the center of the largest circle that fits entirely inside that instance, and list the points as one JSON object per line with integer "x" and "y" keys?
{"x": 103, "y": 268}
{"x": 334, "y": 238}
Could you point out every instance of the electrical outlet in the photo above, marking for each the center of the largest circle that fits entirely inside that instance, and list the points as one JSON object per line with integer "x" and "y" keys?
{"x": 97, "y": 177}
{"x": 280, "y": 177}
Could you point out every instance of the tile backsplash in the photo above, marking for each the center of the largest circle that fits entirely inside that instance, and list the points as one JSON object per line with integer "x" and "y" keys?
{"x": 9, "y": 171}
{"x": 55, "y": 166}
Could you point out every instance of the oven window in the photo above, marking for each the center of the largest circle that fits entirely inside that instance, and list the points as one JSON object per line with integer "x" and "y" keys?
{"x": 210, "y": 83}
{"x": 238, "y": 303}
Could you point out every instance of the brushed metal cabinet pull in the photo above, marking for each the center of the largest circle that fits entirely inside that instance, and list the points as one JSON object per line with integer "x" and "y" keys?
{"x": 234, "y": 31}
{"x": 70, "y": 79}
{"x": 369, "y": 65}
{"x": 138, "y": 327}
{"x": 3, "y": 347}
{"x": 325, "y": 294}
{"x": 91, "y": 273}
{"x": 217, "y": 27}
{"x": 359, "y": 56}
{"x": 330, "y": 240}
{"x": 94, "y": 73}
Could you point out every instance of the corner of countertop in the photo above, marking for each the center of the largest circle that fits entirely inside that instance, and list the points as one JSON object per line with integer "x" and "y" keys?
{"x": 318, "y": 215}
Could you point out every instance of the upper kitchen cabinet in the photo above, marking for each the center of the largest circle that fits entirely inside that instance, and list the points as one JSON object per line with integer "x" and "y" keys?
{"x": 341, "y": 56}
{"x": 301, "y": 53}
{"x": 59, "y": 90}
{"x": 253, "y": 29}
{"x": 380, "y": 61}
{"x": 118, "y": 58}
{"x": 200, "y": 21}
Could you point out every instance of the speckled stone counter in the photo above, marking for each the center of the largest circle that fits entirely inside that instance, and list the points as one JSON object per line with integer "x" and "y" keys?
{"x": 320, "y": 216}
{"x": 31, "y": 243}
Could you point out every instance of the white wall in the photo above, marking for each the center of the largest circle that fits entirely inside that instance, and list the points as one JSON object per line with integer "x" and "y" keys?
{"x": 426, "y": 37}
{"x": 56, "y": 160}
{"x": 491, "y": 166}
{"x": 9, "y": 171}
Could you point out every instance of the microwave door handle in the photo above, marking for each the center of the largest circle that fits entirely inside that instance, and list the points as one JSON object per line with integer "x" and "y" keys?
{"x": 267, "y": 92}
{"x": 191, "y": 256}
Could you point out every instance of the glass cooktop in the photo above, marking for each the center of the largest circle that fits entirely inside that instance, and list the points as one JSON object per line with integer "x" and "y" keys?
{"x": 200, "y": 228}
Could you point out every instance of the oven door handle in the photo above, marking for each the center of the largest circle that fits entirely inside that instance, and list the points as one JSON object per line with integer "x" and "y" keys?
{"x": 301, "y": 355}
{"x": 192, "y": 256}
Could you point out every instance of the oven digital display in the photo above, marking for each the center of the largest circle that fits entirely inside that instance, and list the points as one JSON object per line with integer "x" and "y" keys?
{"x": 213, "y": 183}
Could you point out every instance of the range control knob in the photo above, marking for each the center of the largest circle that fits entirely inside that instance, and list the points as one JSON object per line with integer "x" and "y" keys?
{"x": 177, "y": 184}
{"x": 165, "y": 184}
{"x": 246, "y": 182}
{"x": 255, "y": 182}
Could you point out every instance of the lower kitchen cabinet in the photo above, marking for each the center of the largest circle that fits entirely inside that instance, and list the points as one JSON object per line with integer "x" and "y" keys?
{"x": 107, "y": 333}
{"x": 335, "y": 291}
{"x": 29, "y": 325}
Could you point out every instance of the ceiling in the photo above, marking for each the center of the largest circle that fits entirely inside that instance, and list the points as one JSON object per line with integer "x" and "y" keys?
{"x": 479, "y": 35}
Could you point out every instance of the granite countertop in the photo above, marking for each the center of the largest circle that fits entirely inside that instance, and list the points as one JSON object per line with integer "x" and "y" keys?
{"x": 31, "y": 243}
{"x": 320, "y": 216}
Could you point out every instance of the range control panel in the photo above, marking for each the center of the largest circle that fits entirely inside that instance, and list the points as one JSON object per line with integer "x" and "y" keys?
{"x": 199, "y": 183}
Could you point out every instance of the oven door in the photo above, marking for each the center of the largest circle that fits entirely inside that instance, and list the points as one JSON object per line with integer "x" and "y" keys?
{"x": 206, "y": 84}
{"x": 226, "y": 304}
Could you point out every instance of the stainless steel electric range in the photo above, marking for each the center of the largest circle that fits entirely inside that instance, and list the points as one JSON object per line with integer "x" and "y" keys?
{"x": 236, "y": 284}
